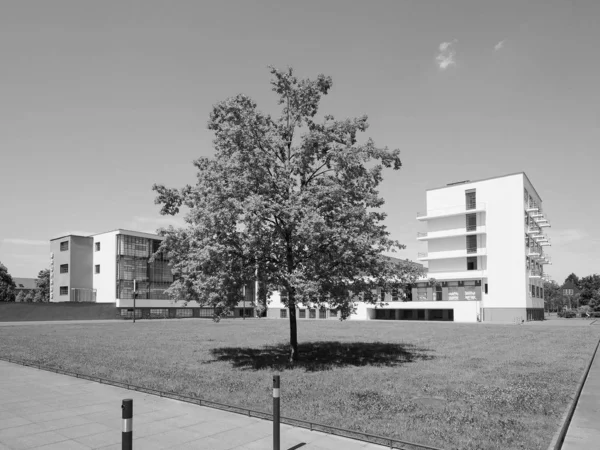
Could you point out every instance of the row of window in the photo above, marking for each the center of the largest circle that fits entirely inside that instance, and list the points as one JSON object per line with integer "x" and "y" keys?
{"x": 536, "y": 291}
{"x": 64, "y": 268}
{"x": 64, "y": 246}
{"x": 312, "y": 313}
{"x": 532, "y": 265}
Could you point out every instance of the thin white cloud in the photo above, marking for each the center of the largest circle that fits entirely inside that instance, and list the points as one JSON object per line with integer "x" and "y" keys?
{"x": 499, "y": 45}
{"x": 151, "y": 224}
{"x": 561, "y": 237}
{"x": 20, "y": 241}
{"x": 447, "y": 55}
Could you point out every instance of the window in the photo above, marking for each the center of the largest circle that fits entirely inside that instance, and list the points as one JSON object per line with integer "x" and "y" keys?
{"x": 470, "y": 199}
{"x": 302, "y": 313}
{"x": 312, "y": 313}
{"x": 159, "y": 312}
{"x": 382, "y": 295}
{"x": 472, "y": 263}
{"x": 322, "y": 313}
{"x": 532, "y": 290}
{"x": 527, "y": 263}
{"x": 394, "y": 295}
{"x": 97, "y": 268}
{"x": 283, "y": 313}
{"x": 541, "y": 292}
{"x": 422, "y": 294}
{"x": 333, "y": 314}
{"x": 438, "y": 293}
{"x": 453, "y": 293}
{"x": 537, "y": 291}
{"x": 64, "y": 268}
{"x": 97, "y": 245}
{"x": 64, "y": 290}
{"x": 471, "y": 222}
{"x": 128, "y": 313}
{"x": 64, "y": 246}
{"x": 486, "y": 288}
{"x": 187, "y": 312}
{"x": 526, "y": 240}
{"x": 472, "y": 244}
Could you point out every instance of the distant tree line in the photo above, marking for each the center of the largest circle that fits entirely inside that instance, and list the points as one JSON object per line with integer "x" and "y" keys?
{"x": 586, "y": 294}
{"x": 8, "y": 288}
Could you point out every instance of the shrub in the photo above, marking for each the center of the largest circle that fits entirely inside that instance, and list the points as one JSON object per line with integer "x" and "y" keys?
{"x": 569, "y": 314}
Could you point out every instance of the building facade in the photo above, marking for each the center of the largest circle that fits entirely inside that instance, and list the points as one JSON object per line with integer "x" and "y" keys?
{"x": 486, "y": 250}
{"x": 102, "y": 268}
{"x": 486, "y": 256}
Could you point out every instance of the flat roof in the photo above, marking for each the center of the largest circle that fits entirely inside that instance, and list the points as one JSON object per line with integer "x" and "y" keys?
{"x": 69, "y": 235}
{"x": 124, "y": 231}
{"x": 118, "y": 230}
{"x": 460, "y": 183}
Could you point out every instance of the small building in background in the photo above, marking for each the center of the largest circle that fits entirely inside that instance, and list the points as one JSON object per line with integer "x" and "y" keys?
{"x": 25, "y": 285}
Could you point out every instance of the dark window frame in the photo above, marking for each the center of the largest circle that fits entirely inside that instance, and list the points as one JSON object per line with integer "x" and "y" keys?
{"x": 64, "y": 246}
{"x": 97, "y": 246}
{"x": 64, "y": 268}
{"x": 97, "y": 269}
{"x": 63, "y": 290}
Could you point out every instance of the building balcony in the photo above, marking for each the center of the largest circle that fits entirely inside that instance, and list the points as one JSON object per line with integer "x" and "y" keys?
{"x": 534, "y": 230}
{"x": 534, "y": 253}
{"x": 463, "y": 253}
{"x": 540, "y": 219}
{"x": 532, "y": 208}
{"x": 457, "y": 275}
{"x": 451, "y": 211}
{"x": 545, "y": 259}
{"x": 427, "y": 235}
{"x": 536, "y": 274}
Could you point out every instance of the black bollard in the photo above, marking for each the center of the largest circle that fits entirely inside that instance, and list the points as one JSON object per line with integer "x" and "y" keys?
{"x": 127, "y": 434}
{"x": 276, "y": 412}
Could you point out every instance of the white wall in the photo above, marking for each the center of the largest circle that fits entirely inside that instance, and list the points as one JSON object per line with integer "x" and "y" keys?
{"x": 105, "y": 281}
{"x": 504, "y": 238}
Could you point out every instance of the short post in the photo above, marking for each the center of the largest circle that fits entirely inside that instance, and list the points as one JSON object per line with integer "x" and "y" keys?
{"x": 276, "y": 412}
{"x": 127, "y": 434}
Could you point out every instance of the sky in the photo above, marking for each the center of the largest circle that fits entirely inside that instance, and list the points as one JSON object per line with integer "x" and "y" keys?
{"x": 100, "y": 100}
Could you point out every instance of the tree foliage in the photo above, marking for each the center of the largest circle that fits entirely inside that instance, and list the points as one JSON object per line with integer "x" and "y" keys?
{"x": 7, "y": 285}
{"x": 42, "y": 291}
{"x": 291, "y": 200}
{"x": 553, "y": 297}
{"x": 572, "y": 278}
{"x": 20, "y": 298}
{"x": 590, "y": 288}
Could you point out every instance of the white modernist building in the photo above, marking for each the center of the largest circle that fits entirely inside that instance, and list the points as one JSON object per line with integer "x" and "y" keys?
{"x": 101, "y": 268}
{"x": 486, "y": 246}
{"x": 486, "y": 254}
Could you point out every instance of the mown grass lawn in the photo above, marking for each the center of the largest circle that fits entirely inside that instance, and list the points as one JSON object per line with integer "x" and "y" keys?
{"x": 450, "y": 385}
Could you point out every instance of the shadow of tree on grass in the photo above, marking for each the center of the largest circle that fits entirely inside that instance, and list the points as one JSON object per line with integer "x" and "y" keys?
{"x": 321, "y": 355}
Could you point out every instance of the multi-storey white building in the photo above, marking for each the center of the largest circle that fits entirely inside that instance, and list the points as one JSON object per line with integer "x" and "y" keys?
{"x": 102, "y": 267}
{"x": 485, "y": 252}
{"x": 486, "y": 246}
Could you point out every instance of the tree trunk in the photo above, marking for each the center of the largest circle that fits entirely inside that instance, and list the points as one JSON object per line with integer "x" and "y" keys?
{"x": 293, "y": 329}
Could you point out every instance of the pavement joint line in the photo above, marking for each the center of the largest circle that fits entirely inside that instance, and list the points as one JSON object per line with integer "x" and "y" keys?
{"x": 299, "y": 423}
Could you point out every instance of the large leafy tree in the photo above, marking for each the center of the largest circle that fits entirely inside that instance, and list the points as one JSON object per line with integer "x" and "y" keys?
{"x": 291, "y": 200}
{"x": 42, "y": 292}
{"x": 590, "y": 287}
{"x": 7, "y": 285}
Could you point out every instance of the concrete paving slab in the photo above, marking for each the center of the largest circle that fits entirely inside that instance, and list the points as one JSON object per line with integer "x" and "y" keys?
{"x": 58, "y": 412}
{"x": 584, "y": 429}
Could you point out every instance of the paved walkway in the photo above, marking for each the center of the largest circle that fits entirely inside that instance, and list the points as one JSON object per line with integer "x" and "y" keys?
{"x": 584, "y": 430}
{"x": 44, "y": 410}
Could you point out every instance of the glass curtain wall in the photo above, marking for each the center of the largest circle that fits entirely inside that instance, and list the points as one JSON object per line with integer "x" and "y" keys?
{"x": 153, "y": 278}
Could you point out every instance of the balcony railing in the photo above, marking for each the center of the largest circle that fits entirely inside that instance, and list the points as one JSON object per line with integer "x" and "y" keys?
{"x": 536, "y": 274}
{"x": 452, "y": 211}
{"x": 454, "y": 254}
{"x": 422, "y": 255}
{"x": 421, "y": 234}
{"x": 471, "y": 250}
{"x": 534, "y": 252}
